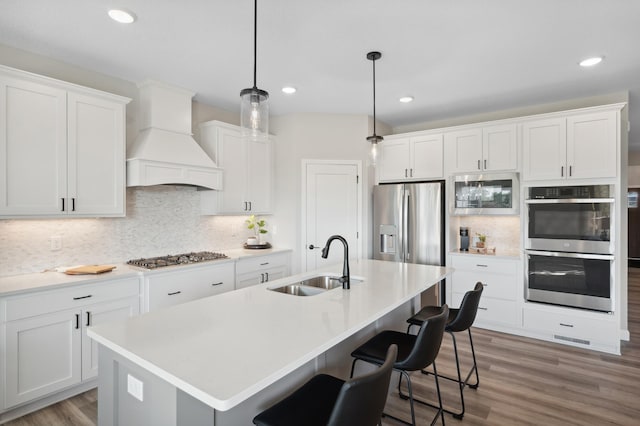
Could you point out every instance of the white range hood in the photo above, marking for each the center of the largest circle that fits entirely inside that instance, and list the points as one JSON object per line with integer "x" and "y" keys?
{"x": 165, "y": 153}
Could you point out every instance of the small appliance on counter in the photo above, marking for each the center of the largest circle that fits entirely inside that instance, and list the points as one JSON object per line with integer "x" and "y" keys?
{"x": 464, "y": 238}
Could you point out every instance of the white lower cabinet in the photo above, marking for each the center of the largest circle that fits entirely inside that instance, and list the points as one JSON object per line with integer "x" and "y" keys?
{"x": 261, "y": 269}
{"x": 586, "y": 329}
{"x": 168, "y": 288}
{"x": 46, "y": 345}
{"x": 499, "y": 304}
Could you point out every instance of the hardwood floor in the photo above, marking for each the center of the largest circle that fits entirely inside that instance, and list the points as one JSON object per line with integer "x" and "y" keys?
{"x": 522, "y": 382}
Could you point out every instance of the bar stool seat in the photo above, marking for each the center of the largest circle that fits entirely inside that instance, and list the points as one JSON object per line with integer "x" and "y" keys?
{"x": 328, "y": 400}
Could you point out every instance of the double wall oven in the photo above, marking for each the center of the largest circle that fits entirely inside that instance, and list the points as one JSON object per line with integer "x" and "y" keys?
{"x": 568, "y": 245}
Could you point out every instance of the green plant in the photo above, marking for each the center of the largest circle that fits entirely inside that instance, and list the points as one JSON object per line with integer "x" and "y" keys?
{"x": 481, "y": 237}
{"x": 257, "y": 225}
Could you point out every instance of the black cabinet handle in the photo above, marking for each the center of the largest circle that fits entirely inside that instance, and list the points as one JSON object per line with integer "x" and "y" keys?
{"x": 483, "y": 309}
{"x": 266, "y": 263}
{"x": 73, "y": 204}
{"x": 83, "y": 297}
{"x": 405, "y": 173}
{"x": 485, "y": 164}
{"x": 174, "y": 293}
{"x": 566, "y": 325}
{"x": 77, "y": 321}
{"x": 62, "y": 204}
{"x": 88, "y": 319}
{"x": 479, "y": 168}
{"x": 214, "y": 284}
{"x": 250, "y": 206}
{"x": 570, "y": 171}
{"x": 561, "y": 171}
{"x": 267, "y": 274}
{"x": 261, "y": 278}
{"x": 481, "y": 265}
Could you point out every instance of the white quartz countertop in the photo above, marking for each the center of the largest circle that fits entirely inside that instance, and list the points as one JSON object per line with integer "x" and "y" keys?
{"x": 223, "y": 349}
{"x": 51, "y": 279}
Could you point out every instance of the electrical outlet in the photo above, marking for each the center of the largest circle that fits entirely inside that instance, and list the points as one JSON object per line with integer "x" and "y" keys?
{"x": 135, "y": 387}
{"x": 55, "y": 243}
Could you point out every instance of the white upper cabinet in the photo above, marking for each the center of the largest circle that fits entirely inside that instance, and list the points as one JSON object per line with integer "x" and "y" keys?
{"x": 411, "y": 158}
{"x": 248, "y": 171}
{"x": 575, "y": 147}
{"x": 64, "y": 148}
{"x": 491, "y": 148}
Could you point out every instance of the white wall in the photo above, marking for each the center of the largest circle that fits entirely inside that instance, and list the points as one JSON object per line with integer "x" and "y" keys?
{"x": 314, "y": 136}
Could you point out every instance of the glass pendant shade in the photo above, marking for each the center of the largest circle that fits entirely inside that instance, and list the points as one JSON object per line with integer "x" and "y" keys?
{"x": 374, "y": 148}
{"x": 254, "y": 113}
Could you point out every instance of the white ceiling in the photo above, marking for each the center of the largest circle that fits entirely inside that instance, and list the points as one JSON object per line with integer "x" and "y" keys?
{"x": 456, "y": 57}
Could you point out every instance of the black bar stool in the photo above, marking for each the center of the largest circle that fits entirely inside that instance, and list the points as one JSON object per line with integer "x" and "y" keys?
{"x": 415, "y": 353}
{"x": 460, "y": 319}
{"x": 327, "y": 400}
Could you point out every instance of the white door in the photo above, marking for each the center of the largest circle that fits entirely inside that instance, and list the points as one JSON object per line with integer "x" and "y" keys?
{"x": 331, "y": 206}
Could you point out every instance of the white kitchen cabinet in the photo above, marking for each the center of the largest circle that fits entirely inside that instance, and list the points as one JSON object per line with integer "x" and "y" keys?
{"x": 248, "y": 171}
{"x": 183, "y": 284}
{"x": 411, "y": 158}
{"x": 261, "y": 269}
{"x": 64, "y": 147}
{"x": 489, "y": 148}
{"x": 581, "y": 328}
{"x": 499, "y": 304}
{"x": 575, "y": 147}
{"x": 47, "y": 349}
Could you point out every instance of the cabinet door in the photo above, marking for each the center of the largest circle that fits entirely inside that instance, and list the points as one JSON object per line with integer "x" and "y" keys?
{"x": 544, "y": 153}
{"x": 259, "y": 180}
{"x": 426, "y": 157}
{"x": 394, "y": 160}
{"x": 33, "y": 142}
{"x": 467, "y": 150}
{"x": 499, "y": 148}
{"x": 591, "y": 145}
{"x": 42, "y": 355}
{"x": 232, "y": 154}
{"x": 100, "y": 314}
{"x": 96, "y": 147}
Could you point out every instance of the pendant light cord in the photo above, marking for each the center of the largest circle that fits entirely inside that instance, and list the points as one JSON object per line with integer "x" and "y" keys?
{"x": 374, "y": 97}
{"x": 255, "y": 41}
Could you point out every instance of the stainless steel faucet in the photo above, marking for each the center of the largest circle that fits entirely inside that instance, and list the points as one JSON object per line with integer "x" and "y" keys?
{"x": 345, "y": 279}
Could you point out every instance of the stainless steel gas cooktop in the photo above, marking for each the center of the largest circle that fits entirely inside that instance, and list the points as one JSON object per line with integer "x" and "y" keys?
{"x": 176, "y": 259}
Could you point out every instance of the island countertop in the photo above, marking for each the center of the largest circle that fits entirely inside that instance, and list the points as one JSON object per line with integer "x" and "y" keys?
{"x": 223, "y": 349}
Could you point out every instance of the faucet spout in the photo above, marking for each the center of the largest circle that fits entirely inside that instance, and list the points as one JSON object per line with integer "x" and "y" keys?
{"x": 345, "y": 279}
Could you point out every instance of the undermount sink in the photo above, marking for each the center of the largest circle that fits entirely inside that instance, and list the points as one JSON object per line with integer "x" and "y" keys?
{"x": 312, "y": 286}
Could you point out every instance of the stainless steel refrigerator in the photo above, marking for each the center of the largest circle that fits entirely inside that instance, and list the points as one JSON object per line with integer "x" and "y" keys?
{"x": 408, "y": 226}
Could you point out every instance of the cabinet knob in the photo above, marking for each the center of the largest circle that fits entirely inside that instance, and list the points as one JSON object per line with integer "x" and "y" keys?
{"x": 311, "y": 247}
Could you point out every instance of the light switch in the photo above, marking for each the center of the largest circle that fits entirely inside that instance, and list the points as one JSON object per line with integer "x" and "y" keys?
{"x": 135, "y": 387}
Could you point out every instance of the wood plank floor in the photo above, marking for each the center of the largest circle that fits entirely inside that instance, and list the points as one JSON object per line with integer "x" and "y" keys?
{"x": 522, "y": 382}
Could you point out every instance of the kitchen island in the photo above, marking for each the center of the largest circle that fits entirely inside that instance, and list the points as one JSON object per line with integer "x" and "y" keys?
{"x": 221, "y": 359}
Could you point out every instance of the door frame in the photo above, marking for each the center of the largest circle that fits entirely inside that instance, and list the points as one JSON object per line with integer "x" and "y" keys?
{"x": 303, "y": 205}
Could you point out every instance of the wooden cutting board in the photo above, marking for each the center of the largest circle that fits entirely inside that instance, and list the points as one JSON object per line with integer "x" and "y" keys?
{"x": 90, "y": 269}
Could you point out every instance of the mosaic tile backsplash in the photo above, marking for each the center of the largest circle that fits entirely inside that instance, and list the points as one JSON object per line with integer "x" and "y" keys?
{"x": 160, "y": 220}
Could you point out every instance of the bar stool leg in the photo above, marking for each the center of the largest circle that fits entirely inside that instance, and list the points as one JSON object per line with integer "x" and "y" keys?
{"x": 475, "y": 365}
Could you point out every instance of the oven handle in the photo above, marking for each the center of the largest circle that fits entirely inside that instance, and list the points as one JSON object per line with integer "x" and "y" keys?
{"x": 569, "y": 200}
{"x": 574, "y": 255}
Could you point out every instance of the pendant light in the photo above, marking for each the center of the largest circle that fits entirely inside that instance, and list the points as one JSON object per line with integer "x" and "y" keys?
{"x": 374, "y": 139}
{"x": 254, "y": 105}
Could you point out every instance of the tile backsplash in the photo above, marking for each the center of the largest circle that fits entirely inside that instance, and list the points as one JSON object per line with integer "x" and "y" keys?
{"x": 160, "y": 220}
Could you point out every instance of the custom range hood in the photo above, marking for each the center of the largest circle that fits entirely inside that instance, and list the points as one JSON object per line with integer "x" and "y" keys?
{"x": 164, "y": 153}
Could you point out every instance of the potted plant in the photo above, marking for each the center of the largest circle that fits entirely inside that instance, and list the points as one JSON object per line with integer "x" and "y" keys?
{"x": 259, "y": 228}
{"x": 482, "y": 238}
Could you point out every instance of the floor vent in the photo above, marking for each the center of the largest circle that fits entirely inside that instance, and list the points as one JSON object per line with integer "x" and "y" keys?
{"x": 572, "y": 339}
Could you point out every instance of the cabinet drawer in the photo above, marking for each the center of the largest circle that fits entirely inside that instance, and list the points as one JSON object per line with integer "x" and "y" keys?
{"x": 493, "y": 310}
{"x": 186, "y": 285}
{"x": 566, "y": 326}
{"x": 258, "y": 263}
{"x": 68, "y": 298}
{"x": 485, "y": 264}
{"x": 495, "y": 285}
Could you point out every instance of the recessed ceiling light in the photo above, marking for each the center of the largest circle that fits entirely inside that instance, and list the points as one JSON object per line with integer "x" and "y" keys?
{"x": 289, "y": 90}
{"x": 589, "y": 62}
{"x": 406, "y": 99}
{"x": 123, "y": 16}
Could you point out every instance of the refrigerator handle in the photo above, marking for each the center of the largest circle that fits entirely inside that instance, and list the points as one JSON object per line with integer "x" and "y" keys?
{"x": 406, "y": 230}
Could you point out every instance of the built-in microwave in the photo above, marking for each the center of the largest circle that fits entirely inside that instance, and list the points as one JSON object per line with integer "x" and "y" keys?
{"x": 485, "y": 194}
{"x": 576, "y": 219}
